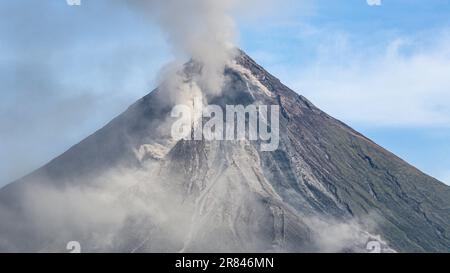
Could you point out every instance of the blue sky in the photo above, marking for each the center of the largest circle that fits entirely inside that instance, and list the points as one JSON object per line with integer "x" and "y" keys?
{"x": 384, "y": 70}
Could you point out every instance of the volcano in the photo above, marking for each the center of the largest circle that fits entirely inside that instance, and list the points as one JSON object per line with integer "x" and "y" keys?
{"x": 131, "y": 187}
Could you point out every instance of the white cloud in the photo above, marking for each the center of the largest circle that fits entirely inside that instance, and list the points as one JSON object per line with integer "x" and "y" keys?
{"x": 407, "y": 84}
{"x": 374, "y": 2}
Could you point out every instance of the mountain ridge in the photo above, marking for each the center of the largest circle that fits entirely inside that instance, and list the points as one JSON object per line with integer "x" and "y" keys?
{"x": 325, "y": 179}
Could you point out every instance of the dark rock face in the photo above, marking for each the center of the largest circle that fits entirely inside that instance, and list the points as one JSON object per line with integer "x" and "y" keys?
{"x": 326, "y": 188}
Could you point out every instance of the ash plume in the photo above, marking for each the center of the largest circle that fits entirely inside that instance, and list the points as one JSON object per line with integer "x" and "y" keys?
{"x": 199, "y": 29}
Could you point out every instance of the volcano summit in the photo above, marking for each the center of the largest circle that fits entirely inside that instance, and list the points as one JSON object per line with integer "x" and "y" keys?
{"x": 131, "y": 187}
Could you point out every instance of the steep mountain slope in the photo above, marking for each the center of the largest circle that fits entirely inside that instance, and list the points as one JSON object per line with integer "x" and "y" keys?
{"x": 131, "y": 187}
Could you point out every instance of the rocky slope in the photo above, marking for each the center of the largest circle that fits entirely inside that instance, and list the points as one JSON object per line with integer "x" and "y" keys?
{"x": 130, "y": 187}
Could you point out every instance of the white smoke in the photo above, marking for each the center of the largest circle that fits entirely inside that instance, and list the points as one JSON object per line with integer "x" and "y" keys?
{"x": 131, "y": 210}
{"x": 351, "y": 235}
{"x": 199, "y": 29}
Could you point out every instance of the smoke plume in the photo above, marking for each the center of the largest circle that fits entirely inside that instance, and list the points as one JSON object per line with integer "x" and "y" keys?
{"x": 199, "y": 29}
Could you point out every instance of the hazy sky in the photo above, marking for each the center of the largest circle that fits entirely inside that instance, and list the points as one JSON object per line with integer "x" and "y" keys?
{"x": 383, "y": 68}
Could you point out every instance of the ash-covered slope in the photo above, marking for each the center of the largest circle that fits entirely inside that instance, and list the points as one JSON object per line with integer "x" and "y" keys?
{"x": 131, "y": 187}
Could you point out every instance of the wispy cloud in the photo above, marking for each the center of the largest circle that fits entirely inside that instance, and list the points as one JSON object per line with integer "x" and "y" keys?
{"x": 374, "y": 2}
{"x": 391, "y": 85}
{"x": 406, "y": 83}
{"x": 65, "y": 75}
